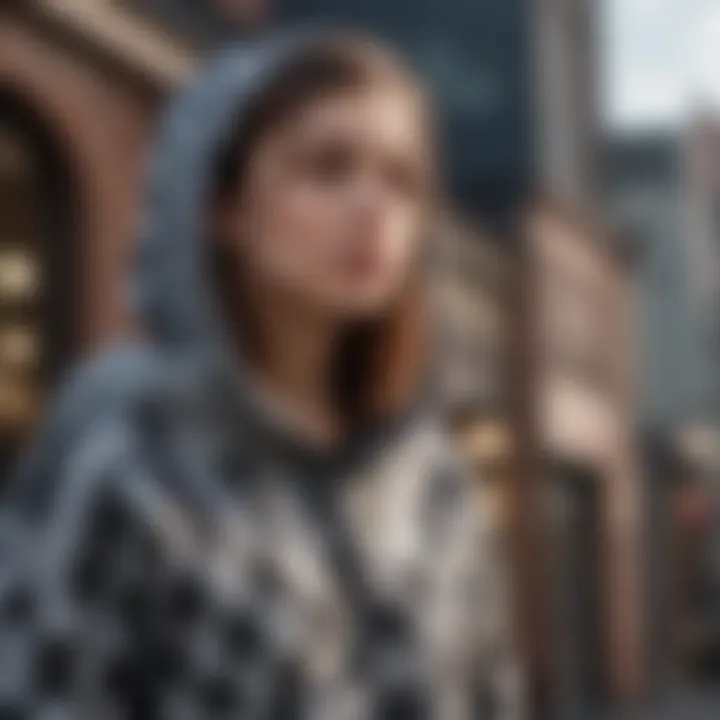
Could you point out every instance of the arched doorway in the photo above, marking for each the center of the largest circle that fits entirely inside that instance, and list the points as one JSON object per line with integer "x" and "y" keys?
{"x": 36, "y": 262}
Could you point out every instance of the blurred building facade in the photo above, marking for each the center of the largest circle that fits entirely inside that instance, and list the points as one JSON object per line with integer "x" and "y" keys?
{"x": 697, "y": 536}
{"x": 564, "y": 75}
{"x": 643, "y": 183}
{"x": 577, "y": 512}
{"x": 80, "y": 87}
{"x": 663, "y": 190}
{"x": 643, "y": 180}
{"x": 701, "y": 208}
{"x": 579, "y": 464}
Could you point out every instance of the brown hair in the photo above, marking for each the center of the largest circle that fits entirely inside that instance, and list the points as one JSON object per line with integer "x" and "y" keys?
{"x": 378, "y": 365}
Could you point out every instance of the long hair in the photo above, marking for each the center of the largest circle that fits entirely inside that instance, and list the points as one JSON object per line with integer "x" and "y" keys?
{"x": 378, "y": 364}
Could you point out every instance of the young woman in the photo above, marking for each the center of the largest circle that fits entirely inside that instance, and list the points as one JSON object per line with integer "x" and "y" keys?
{"x": 253, "y": 513}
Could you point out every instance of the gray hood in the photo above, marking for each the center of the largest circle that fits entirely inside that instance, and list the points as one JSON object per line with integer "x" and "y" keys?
{"x": 171, "y": 288}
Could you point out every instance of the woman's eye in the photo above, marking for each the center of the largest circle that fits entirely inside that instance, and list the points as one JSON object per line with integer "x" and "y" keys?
{"x": 330, "y": 164}
{"x": 404, "y": 179}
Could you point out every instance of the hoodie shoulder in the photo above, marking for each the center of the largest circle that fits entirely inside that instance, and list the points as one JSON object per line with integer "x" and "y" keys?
{"x": 101, "y": 387}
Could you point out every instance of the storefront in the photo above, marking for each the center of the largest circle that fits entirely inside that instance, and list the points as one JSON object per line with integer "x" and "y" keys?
{"x": 579, "y": 562}
{"x": 80, "y": 88}
{"x": 37, "y": 233}
{"x": 694, "y": 559}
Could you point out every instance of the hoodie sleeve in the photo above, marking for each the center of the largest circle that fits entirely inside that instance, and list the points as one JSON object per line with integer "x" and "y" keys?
{"x": 105, "y": 610}
{"x": 74, "y": 589}
{"x": 97, "y": 384}
{"x": 476, "y": 614}
{"x": 499, "y": 684}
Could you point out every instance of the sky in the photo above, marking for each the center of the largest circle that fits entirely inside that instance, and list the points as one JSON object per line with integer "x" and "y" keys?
{"x": 661, "y": 60}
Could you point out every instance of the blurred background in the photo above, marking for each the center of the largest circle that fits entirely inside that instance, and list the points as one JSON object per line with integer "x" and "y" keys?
{"x": 579, "y": 270}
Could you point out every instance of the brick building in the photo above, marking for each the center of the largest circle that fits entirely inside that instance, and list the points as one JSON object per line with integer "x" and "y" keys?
{"x": 701, "y": 205}
{"x": 80, "y": 87}
{"x": 576, "y": 494}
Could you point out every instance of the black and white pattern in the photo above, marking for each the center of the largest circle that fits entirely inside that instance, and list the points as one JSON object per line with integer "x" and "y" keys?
{"x": 357, "y": 594}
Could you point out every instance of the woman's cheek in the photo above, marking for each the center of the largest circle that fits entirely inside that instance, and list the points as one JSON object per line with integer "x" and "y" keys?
{"x": 294, "y": 244}
{"x": 403, "y": 238}
{"x": 314, "y": 225}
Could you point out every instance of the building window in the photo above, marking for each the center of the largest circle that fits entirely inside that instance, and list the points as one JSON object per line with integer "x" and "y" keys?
{"x": 34, "y": 283}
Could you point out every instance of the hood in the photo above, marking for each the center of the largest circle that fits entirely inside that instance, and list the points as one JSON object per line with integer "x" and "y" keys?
{"x": 171, "y": 290}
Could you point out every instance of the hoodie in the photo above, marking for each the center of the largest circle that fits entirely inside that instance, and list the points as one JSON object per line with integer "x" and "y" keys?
{"x": 170, "y": 549}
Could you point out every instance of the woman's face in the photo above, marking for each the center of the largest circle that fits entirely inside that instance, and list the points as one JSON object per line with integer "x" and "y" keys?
{"x": 334, "y": 202}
